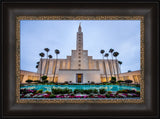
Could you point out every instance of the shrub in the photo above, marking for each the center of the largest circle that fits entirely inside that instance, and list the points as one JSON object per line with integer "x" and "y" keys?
{"x": 108, "y": 95}
{"x": 109, "y": 92}
{"x": 44, "y": 78}
{"x": 128, "y": 81}
{"x": 45, "y": 81}
{"x": 95, "y": 91}
{"x": 137, "y": 85}
{"x": 29, "y": 81}
{"x": 39, "y": 91}
{"x": 120, "y": 81}
{"x": 38, "y": 81}
{"x": 113, "y": 80}
{"x": 56, "y": 91}
{"x": 48, "y": 92}
{"x": 66, "y": 82}
{"x": 137, "y": 92}
{"x": 91, "y": 96}
{"x": 76, "y": 91}
{"x": 102, "y": 91}
{"x": 92, "y": 82}
{"x": 66, "y": 91}
{"x": 123, "y": 91}
{"x": 72, "y": 94}
{"x": 61, "y": 91}
{"x": 52, "y": 96}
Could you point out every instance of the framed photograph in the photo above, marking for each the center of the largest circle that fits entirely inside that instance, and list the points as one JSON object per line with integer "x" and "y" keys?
{"x": 80, "y": 76}
{"x": 86, "y": 58}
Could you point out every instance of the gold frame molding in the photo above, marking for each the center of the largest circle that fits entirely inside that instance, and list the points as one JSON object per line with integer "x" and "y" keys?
{"x": 60, "y": 101}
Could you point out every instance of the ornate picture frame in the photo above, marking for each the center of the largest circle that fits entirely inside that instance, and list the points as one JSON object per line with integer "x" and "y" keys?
{"x": 147, "y": 105}
{"x": 82, "y": 100}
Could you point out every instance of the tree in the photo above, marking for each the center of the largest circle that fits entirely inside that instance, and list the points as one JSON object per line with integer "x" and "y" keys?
{"x": 56, "y": 52}
{"x": 113, "y": 80}
{"x": 47, "y": 50}
{"x": 115, "y": 54}
{"x": 120, "y": 62}
{"x": 111, "y": 51}
{"x": 50, "y": 57}
{"x": 37, "y": 66}
{"x": 102, "y": 52}
{"x": 129, "y": 70}
{"x": 106, "y": 55}
{"x": 44, "y": 79}
{"x": 41, "y": 55}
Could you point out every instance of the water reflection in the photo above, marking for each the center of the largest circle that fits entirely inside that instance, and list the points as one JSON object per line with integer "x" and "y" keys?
{"x": 106, "y": 87}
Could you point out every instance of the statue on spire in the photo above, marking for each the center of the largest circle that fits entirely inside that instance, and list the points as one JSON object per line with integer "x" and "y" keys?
{"x": 79, "y": 29}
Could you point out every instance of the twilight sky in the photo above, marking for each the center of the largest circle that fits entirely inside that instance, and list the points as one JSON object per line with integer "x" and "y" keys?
{"x": 121, "y": 35}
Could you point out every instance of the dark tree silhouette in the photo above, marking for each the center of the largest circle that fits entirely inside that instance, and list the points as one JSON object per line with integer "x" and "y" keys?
{"x": 45, "y": 69}
{"x": 50, "y": 57}
{"x": 115, "y": 54}
{"x": 111, "y": 51}
{"x": 120, "y": 62}
{"x": 56, "y": 52}
{"x": 106, "y": 55}
{"x": 41, "y": 55}
{"x": 102, "y": 52}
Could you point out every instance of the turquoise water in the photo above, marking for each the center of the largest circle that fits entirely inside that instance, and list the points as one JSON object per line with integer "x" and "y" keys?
{"x": 107, "y": 87}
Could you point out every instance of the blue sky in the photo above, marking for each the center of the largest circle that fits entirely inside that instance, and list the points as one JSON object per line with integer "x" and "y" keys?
{"x": 121, "y": 35}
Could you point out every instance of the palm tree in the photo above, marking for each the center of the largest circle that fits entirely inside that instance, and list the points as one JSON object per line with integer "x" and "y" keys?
{"x": 120, "y": 62}
{"x": 41, "y": 55}
{"x": 56, "y": 52}
{"x": 50, "y": 57}
{"x": 115, "y": 54}
{"x": 106, "y": 55}
{"x": 37, "y": 65}
{"x": 102, "y": 52}
{"x": 47, "y": 50}
{"x": 111, "y": 51}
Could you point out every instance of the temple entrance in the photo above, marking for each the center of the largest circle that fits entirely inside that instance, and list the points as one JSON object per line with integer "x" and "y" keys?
{"x": 79, "y": 78}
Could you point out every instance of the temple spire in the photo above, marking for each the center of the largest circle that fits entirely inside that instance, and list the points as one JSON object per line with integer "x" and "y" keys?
{"x": 79, "y": 38}
{"x": 79, "y": 28}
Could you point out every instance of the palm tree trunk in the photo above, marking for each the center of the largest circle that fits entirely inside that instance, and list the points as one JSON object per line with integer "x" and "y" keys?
{"x": 113, "y": 66}
{"x": 105, "y": 69}
{"x": 46, "y": 65}
{"x": 55, "y": 68}
{"x": 109, "y": 67}
{"x": 40, "y": 70}
{"x": 117, "y": 68}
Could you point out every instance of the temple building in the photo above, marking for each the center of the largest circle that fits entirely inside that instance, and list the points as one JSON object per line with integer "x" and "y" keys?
{"x": 79, "y": 68}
